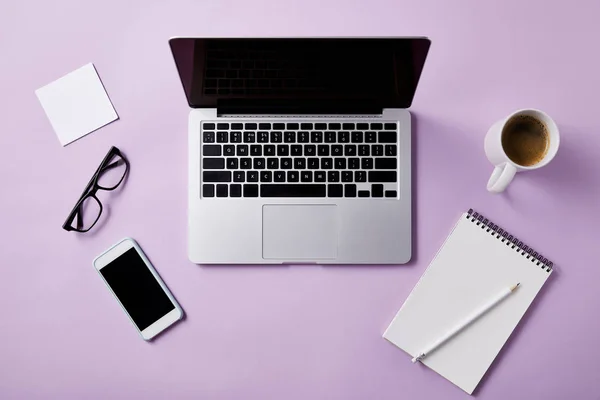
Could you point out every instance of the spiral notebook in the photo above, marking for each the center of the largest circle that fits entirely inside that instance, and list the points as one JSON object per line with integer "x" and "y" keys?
{"x": 477, "y": 260}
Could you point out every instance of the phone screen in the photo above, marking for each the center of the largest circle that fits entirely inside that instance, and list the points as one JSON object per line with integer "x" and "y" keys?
{"x": 137, "y": 289}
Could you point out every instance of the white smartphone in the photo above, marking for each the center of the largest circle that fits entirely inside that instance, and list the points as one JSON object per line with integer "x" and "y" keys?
{"x": 137, "y": 287}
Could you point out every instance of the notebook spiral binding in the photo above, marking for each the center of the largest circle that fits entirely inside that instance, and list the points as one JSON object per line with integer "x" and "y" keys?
{"x": 510, "y": 240}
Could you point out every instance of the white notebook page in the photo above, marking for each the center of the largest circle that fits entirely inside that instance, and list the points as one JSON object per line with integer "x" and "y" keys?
{"x": 471, "y": 267}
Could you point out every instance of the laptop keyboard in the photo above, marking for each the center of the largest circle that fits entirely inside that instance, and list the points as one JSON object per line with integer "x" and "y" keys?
{"x": 299, "y": 159}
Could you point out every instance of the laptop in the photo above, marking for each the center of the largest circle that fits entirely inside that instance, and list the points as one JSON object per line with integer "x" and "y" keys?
{"x": 299, "y": 149}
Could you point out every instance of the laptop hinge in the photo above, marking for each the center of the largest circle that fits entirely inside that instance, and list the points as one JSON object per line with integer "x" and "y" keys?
{"x": 295, "y": 107}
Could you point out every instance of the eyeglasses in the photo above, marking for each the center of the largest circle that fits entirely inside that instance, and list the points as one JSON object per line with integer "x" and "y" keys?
{"x": 108, "y": 176}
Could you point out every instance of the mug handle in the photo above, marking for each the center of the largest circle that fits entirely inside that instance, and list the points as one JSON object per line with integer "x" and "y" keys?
{"x": 501, "y": 177}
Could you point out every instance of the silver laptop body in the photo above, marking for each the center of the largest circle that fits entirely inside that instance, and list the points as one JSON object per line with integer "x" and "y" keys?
{"x": 279, "y": 174}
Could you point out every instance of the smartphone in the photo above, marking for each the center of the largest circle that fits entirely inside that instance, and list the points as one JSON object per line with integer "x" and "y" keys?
{"x": 137, "y": 287}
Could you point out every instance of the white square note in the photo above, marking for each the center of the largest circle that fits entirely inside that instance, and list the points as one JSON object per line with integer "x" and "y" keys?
{"x": 76, "y": 104}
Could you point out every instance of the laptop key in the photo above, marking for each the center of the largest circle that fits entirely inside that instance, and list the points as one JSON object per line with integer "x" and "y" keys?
{"x": 263, "y": 137}
{"x": 360, "y": 176}
{"x": 370, "y": 137}
{"x": 264, "y": 125}
{"x": 306, "y": 176}
{"x": 235, "y": 137}
{"x": 296, "y": 149}
{"x": 367, "y": 163}
{"x": 276, "y": 137}
{"x": 391, "y": 193}
{"x": 250, "y": 125}
{"x": 350, "y": 190}
{"x": 221, "y": 190}
{"x": 357, "y": 137}
{"x": 354, "y": 163}
{"x": 391, "y": 150}
{"x": 326, "y": 163}
{"x": 208, "y": 126}
{"x": 330, "y": 137}
{"x": 232, "y": 163}
{"x": 289, "y": 137}
{"x": 208, "y": 190}
{"x": 208, "y": 137}
{"x": 390, "y": 126}
{"x": 364, "y": 193}
{"x": 242, "y": 149}
{"x": 382, "y": 176}
{"x": 279, "y": 125}
{"x": 299, "y": 163}
{"x": 343, "y": 137}
{"x": 320, "y": 176}
{"x": 229, "y": 150}
{"x": 252, "y": 176}
{"x": 377, "y": 190}
{"x": 235, "y": 190}
{"x": 303, "y": 137}
{"x": 269, "y": 150}
{"x": 273, "y": 163}
{"x": 222, "y": 137}
{"x": 377, "y": 150}
{"x": 316, "y": 137}
{"x": 333, "y": 176}
{"x": 323, "y": 150}
{"x": 350, "y": 149}
{"x": 335, "y": 126}
{"x": 295, "y": 190}
{"x": 211, "y": 150}
{"x": 313, "y": 163}
{"x": 249, "y": 137}
{"x": 335, "y": 190}
{"x": 340, "y": 163}
{"x": 222, "y": 125}
{"x": 213, "y": 163}
{"x": 283, "y": 150}
{"x": 386, "y": 163}
{"x": 362, "y": 126}
{"x": 387, "y": 137}
{"x": 279, "y": 176}
{"x": 306, "y": 125}
{"x": 250, "y": 190}
{"x": 245, "y": 163}
{"x": 237, "y": 125}
{"x": 320, "y": 126}
{"x": 337, "y": 150}
{"x": 239, "y": 176}
{"x": 259, "y": 163}
{"x": 364, "y": 150}
{"x": 310, "y": 149}
{"x": 292, "y": 125}
{"x": 266, "y": 176}
{"x": 286, "y": 163}
{"x": 348, "y": 125}
{"x": 256, "y": 150}
{"x": 347, "y": 176}
{"x": 293, "y": 176}
{"x": 376, "y": 126}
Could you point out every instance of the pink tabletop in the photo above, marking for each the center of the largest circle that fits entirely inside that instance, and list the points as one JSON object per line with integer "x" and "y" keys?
{"x": 294, "y": 332}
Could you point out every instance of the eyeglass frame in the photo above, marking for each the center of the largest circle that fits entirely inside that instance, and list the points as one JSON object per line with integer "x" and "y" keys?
{"x": 92, "y": 188}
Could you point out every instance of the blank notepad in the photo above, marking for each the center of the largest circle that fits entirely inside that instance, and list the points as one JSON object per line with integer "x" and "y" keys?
{"x": 477, "y": 261}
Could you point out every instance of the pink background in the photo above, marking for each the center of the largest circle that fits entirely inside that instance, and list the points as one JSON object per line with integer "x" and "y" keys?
{"x": 299, "y": 332}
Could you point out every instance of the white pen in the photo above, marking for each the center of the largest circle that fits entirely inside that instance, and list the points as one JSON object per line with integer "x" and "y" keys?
{"x": 484, "y": 308}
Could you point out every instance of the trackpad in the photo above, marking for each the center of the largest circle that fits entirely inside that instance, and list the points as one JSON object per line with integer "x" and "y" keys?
{"x": 294, "y": 232}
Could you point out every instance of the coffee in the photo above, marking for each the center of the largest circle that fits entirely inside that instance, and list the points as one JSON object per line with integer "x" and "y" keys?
{"x": 525, "y": 140}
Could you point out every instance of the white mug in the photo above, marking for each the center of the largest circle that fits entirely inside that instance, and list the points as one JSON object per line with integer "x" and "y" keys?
{"x": 504, "y": 168}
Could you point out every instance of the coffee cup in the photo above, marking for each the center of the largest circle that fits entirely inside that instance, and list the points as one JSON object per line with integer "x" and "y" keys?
{"x": 525, "y": 140}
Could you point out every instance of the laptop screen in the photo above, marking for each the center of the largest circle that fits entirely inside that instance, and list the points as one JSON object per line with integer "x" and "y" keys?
{"x": 380, "y": 72}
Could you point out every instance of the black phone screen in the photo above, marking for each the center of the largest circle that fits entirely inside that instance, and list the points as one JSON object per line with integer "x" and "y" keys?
{"x": 137, "y": 289}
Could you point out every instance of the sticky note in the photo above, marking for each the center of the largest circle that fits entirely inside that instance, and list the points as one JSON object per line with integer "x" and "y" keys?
{"x": 76, "y": 104}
